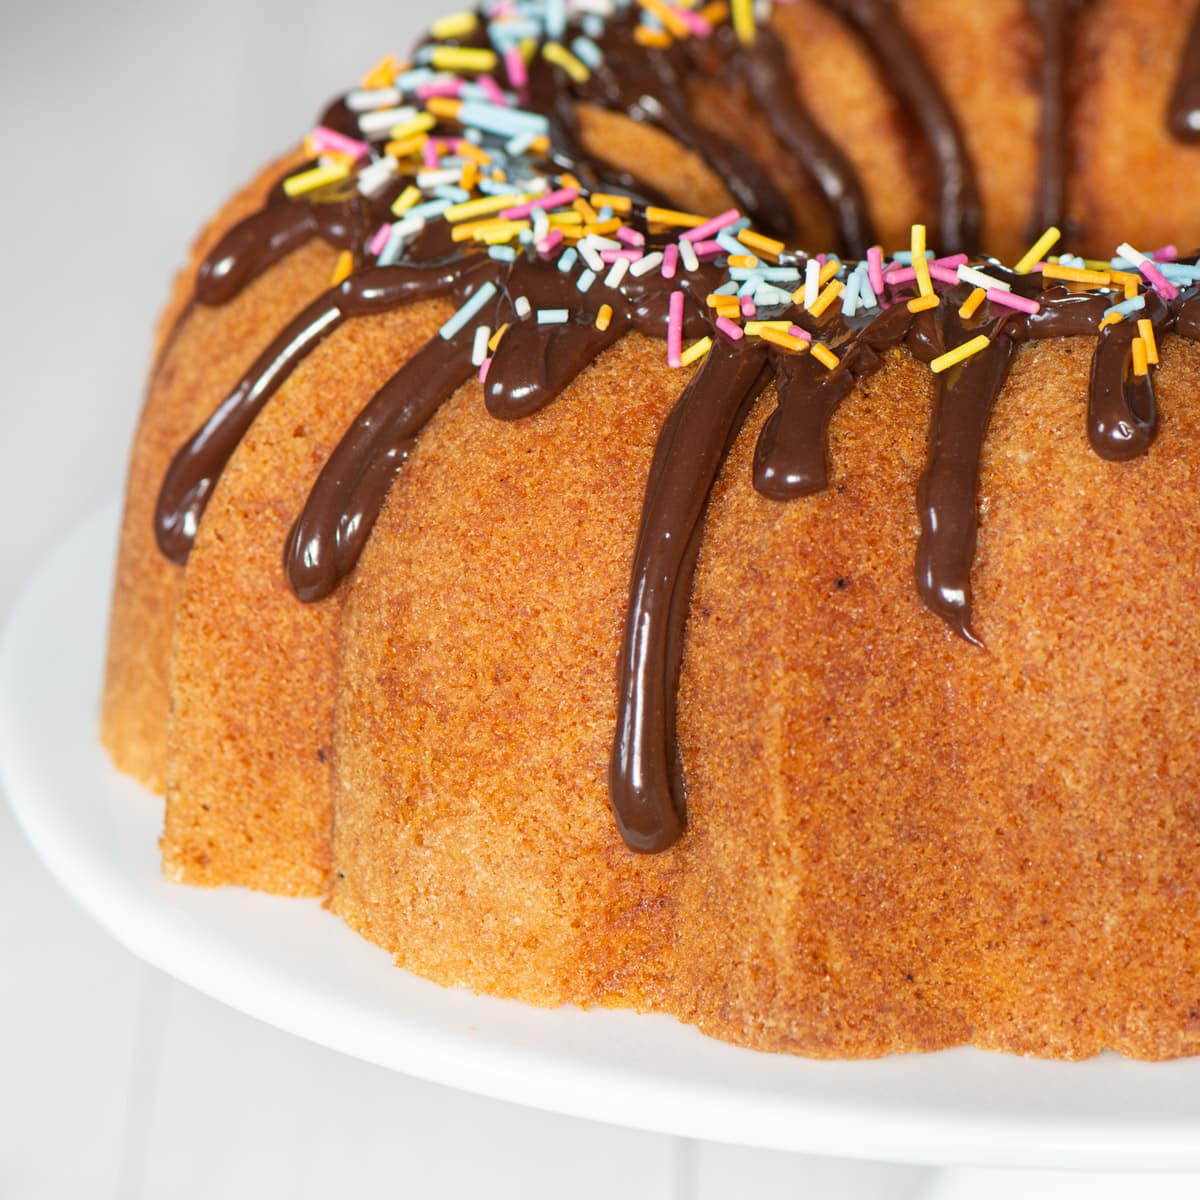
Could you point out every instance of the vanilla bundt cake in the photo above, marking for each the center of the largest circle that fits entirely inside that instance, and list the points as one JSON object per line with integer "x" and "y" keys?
{"x": 827, "y": 679}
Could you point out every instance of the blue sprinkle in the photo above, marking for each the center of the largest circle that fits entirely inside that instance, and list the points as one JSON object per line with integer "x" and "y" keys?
{"x": 587, "y": 52}
{"x": 552, "y": 316}
{"x": 904, "y": 257}
{"x": 605, "y": 214}
{"x": 729, "y": 243}
{"x": 556, "y": 19}
{"x": 567, "y": 259}
{"x": 468, "y": 311}
{"x": 504, "y": 122}
{"x": 456, "y": 195}
{"x": 726, "y": 289}
{"x": 585, "y": 281}
{"x": 431, "y": 208}
{"x": 504, "y": 254}
{"x": 593, "y": 25}
{"x": 1127, "y": 306}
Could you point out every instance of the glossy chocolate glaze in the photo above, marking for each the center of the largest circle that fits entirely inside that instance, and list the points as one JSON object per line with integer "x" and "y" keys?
{"x": 534, "y": 363}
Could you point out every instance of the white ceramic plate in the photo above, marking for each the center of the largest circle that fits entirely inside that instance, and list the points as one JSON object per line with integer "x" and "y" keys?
{"x": 292, "y": 964}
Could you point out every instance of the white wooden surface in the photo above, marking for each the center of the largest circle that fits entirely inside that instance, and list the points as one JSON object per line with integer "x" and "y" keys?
{"x": 127, "y": 123}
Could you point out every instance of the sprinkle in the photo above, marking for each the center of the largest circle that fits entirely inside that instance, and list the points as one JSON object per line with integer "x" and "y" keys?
{"x": 630, "y": 237}
{"x": 1076, "y": 275}
{"x": 646, "y": 264}
{"x": 657, "y": 39}
{"x": 1008, "y": 300}
{"x": 522, "y": 307}
{"x": 463, "y": 58}
{"x": 674, "y": 329}
{"x": 547, "y": 245}
{"x": 671, "y": 18}
{"x": 619, "y": 204}
{"x": 383, "y": 74}
{"x": 708, "y": 229}
{"x": 824, "y": 355}
{"x": 616, "y": 273}
{"x": 378, "y": 242}
{"x": 802, "y": 334}
{"x": 831, "y": 267}
{"x": 315, "y": 177}
{"x": 971, "y": 304}
{"x": 456, "y": 25}
{"x": 342, "y": 269}
{"x": 384, "y": 120}
{"x": 588, "y": 52}
{"x": 1154, "y": 276}
{"x": 695, "y": 351}
{"x": 480, "y": 348}
{"x": 924, "y": 303}
{"x": 323, "y": 139}
{"x": 585, "y": 280}
{"x": 496, "y": 337}
{"x": 920, "y": 265}
{"x": 761, "y": 244}
{"x": 670, "y": 262}
{"x": 875, "y": 269}
{"x": 484, "y": 369}
{"x": 729, "y": 329}
{"x": 504, "y": 254}
{"x": 514, "y": 66}
{"x": 560, "y": 56}
{"x": 504, "y": 122}
{"x": 981, "y": 279}
{"x": 942, "y": 274}
{"x": 480, "y": 208}
{"x": 567, "y": 259}
{"x": 604, "y": 317}
{"x": 743, "y": 20}
{"x": 812, "y": 282}
{"x": 850, "y": 297}
{"x": 1146, "y": 331}
{"x": 748, "y": 307}
{"x": 755, "y": 328}
{"x": 1132, "y": 305}
{"x": 687, "y": 252}
{"x": 1140, "y": 357}
{"x": 1037, "y": 251}
{"x": 553, "y": 316}
{"x": 590, "y": 255}
{"x": 671, "y": 216}
{"x": 557, "y": 199}
{"x": 780, "y": 337}
{"x": 468, "y": 311}
{"x": 365, "y": 99}
{"x": 952, "y": 358}
{"x": 825, "y": 299}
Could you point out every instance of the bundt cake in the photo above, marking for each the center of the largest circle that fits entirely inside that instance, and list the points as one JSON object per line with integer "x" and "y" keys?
{"x": 827, "y": 680}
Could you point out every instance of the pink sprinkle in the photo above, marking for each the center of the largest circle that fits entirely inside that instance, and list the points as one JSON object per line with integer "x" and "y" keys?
{"x": 1161, "y": 284}
{"x": 376, "y": 244}
{"x": 611, "y": 256}
{"x": 440, "y": 87}
{"x": 492, "y": 90}
{"x": 514, "y": 64}
{"x": 821, "y": 260}
{"x": 519, "y": 212}
{"x": 749, "y": 308}
{"x": 550, "y": 242}
{"x": 951, "y": 260}
{"x": 325, "y": 138}
{"x": 875, "y": 269}
{"x": 802, "y": 334}
{"x": 1012, "y": 300}
{"x": 706, "y": 251}
{"x": 704, "y": 232}
{"x": 430, "y": 152}
{"x": 630, "y": 237}
{"x": 898, "y": 275}
{"x": 731, "y": 330}
{"x": 670, "y": 262}
{"x": 674, "y": 329}
{"x": 484, "y": 368}
{"x": 694, "y": 21}
{"x": 1165, "y": 253}
{"x": 942, "y": 274}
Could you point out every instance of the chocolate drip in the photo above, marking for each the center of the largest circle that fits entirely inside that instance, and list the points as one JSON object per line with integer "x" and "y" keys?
{"x": 765, "y": 69}
{"x": 959, "y": 209}
{"x": 946, "y": 495}
{"x": 1122, "y": 413}
{"x": 1055, "y": 21}
{"x": 346, "y": 500}
{"x": 1183, "y": 110}
{"x": 649, "y": 810}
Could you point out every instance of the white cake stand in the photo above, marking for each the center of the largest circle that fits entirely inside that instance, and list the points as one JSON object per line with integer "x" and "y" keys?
{"x": 295, "y": 966}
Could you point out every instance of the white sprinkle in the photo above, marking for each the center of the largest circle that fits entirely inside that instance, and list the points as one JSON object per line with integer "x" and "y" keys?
{"x": 469, "y": 310}
{"x": 541, "y": 225}
{"x": 812, "y": 282}
{"x": 590, "y": 255}
{"x": 687, "y": 252}
{"x": 385, "y": 119}
{"x": 1126, "y": 251}
{"x": 552, "y": 316}
{"x": 366, "y": 99}
{"x": 480, "y": 348}
{"x": 428, "y": 180}
{"x": 980, "y": 279}
{"x": 616, "y": 273}
{"x": 375, "y": 176}
{"x": 646, "y": 264}
{"x": 522, "y": 307}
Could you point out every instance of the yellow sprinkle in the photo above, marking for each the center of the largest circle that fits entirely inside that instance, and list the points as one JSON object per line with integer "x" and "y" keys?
{"x": 1140, "y": 357}
{"x": 1097, "y": 264}
{"x": 754, "y": 328}
{"x": 924, "y": 303}
{"x": 1146, "y": 330}
{"x": 760, "y": 243}
{"x": 670, "y": 216}
{"x": 743, "y": 260}
{"x": 780, "y": 337}
{"x": 446, "y": 107}
{"x": 568, "y": 180}
{"x": 952, "y": 358}
{"x": 604, "y": 317}
{"x": 456, "y": 25}
{"x": 826, "y": 298}
{"x": 463, "y": 58}
{"x": 472, "y": 230}
{"x": 970, "y": 305}
{"x": 743, "y": 20}
{"x": 655, "y": 39}
{"x": 920, "y": 266}
{"x": 411, "y": 145}
{"x": 483, "y": 207}
{"x": 824, "y": 355}
{"x": 405, "y": 200}
{"x": 1112, "y": 318}
{"x": 382, "y": 74}
{"x": 828, "y": 271}
{"x": 619, "y": 204}
{"x": 528, "y": 47}
{"x": 668, "y": 16}
{"x": 560, "y": 219}
{"x": 315, "y": 177}
{"x": 560, "y": 56}
{"x": 1075, "y": 275}
{"x": 694, "y": 351}
{"x": 494, "y": 340}
{"x": 345, "y": 264}
{"x": 421, "y": 123}
{"x": 500, "y": 232}
{"x": 1037, "y": 251}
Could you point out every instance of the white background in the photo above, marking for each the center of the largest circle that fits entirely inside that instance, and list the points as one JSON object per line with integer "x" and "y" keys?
{"x": 126, "y": 125}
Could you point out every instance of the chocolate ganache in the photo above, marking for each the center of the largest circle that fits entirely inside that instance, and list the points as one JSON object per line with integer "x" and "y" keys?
{"x": 544, "y": 312}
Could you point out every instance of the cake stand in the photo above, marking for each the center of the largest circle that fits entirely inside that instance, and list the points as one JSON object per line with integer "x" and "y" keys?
{"x": 292, "y": 964}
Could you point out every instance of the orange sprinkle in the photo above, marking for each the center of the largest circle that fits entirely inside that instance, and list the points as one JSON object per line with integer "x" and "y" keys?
{"x": 824, "y": 355}
{"x": 761, "y": 244}
{"x": 786, "y": 340}
{"x": 447, "y": 107}
{"x": 604, "y": 317}
{"x": 716, "y": 14}
{"x": 657, "y": 39}
{"x": 671, "y": 216}
{"x": 407, "y": 146}
{"x": 1140, "y": 357}
{"x": 668, "y": 16}
{"x": 1146, "y": 331}
{"x": 470, "y": 175}
{"x": 602, "y": 228}
{"x": 970, "y": 306}
{"x": 382, "y": 74}
{"x": 494, "y": 340}
{"x": 826, "y": 298}
{"x": 828, "y": 271}
{"x": 1112, "y": 318}
{"x": 1075, "y": 275}
{"x": 924, "y": 303}
{"x": 342, "y": 269}
{"x": 743, "y": 260}
{"x": 619, "y": 204}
